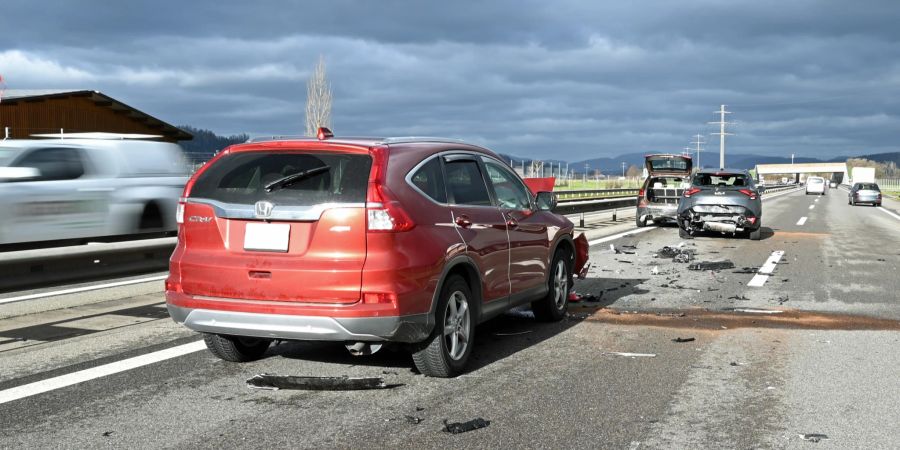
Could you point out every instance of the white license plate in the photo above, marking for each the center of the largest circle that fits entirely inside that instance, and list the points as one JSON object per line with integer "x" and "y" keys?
{"x": 268, "y": 237}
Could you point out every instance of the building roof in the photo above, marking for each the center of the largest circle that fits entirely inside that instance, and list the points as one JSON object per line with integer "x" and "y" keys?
{"x": 101, "y": 100}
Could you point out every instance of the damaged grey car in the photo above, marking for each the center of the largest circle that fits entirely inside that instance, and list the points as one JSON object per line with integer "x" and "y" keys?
{"x": 721, "y": 200}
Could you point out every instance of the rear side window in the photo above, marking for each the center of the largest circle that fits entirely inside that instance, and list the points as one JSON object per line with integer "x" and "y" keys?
{"x": 720, "y": 179}
{"x": 329, "y": 178}
{"x": 465, "y": 183}
{"x": 430, "y": 180}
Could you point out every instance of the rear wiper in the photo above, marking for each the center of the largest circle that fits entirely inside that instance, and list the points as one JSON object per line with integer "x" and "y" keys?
{"x": 293, "y": 178}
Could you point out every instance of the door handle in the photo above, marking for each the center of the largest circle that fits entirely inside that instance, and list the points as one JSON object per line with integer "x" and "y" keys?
{"x": 463, "y": 221}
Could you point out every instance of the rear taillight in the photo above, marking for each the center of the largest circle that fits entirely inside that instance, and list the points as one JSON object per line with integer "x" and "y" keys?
{"x": 688, "y": 193}
{"x": 383, "y": 212}
{"x": 748, "y": 193}
{"x": 640, "y": 193}
{"x": 179, "y": 212}
{"x": 173, "y": 286}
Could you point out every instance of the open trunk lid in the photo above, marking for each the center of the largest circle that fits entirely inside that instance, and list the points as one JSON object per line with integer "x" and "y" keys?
{"x": 302, "y": 239}
{"x": 663, "y": 165}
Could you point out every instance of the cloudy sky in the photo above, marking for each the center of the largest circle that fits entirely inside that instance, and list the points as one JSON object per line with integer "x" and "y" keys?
{"x": 564, "y": 79}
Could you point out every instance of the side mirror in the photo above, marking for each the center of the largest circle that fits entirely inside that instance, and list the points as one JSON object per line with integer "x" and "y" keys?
{"x": 19, "y": 173}
{"x": 546, "y": 201}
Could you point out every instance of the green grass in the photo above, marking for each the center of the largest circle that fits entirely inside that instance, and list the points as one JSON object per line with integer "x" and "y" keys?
{"x": 579, "y": 185}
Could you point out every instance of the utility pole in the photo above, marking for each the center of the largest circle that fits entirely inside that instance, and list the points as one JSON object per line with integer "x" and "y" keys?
{"x": 697, "y": 142}
{"x": 584, "y": 178}
{"x": 721, "y": 123}
{"x": 792, "y": 159}
{"x": 623, "y": 169}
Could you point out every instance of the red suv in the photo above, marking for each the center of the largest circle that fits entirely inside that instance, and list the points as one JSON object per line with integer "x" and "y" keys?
{"x": 364, "y": 241}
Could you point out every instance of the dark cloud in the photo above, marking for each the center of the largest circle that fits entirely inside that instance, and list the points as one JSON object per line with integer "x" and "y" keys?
{"x": 568, "y": 79}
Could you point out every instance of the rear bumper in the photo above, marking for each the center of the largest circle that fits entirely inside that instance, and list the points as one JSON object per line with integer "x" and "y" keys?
{"x": 413, "y": 328}
{"x": 658, "y": 211}
{"x": 729, "y": 218}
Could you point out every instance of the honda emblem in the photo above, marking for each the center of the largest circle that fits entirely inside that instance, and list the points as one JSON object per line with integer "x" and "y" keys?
{"x": 263, "y": 209}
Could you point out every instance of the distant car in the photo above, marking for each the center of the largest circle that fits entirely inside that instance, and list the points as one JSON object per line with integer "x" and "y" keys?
{"x": 365, "y": 241}
{"x": 815, "y": 185}
{"x": 667, "y": 179}
{"x": 864, "y": 193}
{"x": 721, "y": 200}
{"x": 77, "y": 187}
{"x": 834, "y": 184}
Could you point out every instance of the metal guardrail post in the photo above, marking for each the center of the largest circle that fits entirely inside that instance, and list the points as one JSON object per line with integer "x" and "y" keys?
{"x": 581, "y": 221}
{"x": 616, "y": 210}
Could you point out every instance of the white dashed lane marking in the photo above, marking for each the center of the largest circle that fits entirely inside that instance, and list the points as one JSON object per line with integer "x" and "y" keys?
{"x": 801, "y": 221}
{"x": 812, "y": 206}
{"x": 763, "y": 273}
{"x": 51, "y": 384}
{"x": 881, "y": 208}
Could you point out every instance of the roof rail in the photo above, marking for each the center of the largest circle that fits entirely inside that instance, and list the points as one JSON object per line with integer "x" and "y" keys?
{"x": 283, "y": 137}
{"x": 97, "y": 135}
{"x": 412, "y": 139}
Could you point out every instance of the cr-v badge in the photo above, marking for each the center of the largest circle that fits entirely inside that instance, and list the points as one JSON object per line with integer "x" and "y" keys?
{"x": 263, "y": 209}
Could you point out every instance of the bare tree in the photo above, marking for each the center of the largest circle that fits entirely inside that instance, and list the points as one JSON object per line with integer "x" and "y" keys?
{"x": 318, "y": 100}
{"x": 633, "y": 172}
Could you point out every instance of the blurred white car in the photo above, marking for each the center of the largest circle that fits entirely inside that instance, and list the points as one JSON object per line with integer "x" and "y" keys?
{"x": 815, "y": 185}
{"x": 77, "y": 187}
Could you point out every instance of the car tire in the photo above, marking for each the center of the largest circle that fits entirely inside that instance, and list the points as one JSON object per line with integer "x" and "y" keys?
{"x": 235, "y": 348}
{"x": 640, "y": 223}
{"x": 438, "y": 356}
{"x": 756, "y": 234}
{"x": 684, "y": 234}
{"x": 553, "y": 306}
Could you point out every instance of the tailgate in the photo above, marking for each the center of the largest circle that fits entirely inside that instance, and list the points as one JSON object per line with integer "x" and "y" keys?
{"x": 277, "y": 225}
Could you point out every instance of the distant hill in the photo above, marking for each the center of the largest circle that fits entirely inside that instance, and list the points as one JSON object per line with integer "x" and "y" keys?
{"x": 206, "y": 143}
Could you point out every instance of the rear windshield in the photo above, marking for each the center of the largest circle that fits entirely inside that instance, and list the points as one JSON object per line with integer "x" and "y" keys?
{"x": 720, "y": 179}
{"x": 868, "y": 187}
{"x": 242, "y": 178}
{"x": 660, "y": 165}
{"x": 816, "y": 181}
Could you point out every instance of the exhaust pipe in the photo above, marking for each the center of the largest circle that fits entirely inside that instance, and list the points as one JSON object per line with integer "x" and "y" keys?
{"x": 719, "y": 226}
{"x": 362, "y": 348}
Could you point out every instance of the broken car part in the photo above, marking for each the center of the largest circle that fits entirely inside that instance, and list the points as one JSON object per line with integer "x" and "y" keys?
{"x": 274, "y": 382}
{"x": 711, "y": 265}
{"x": 457, "y": 427}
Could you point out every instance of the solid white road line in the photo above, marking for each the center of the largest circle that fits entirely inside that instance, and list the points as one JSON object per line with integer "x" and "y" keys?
{"x": 82, "y": 289}
{"x": 889, "y": 213}
{"x": 817, "y": 200}
{"x": 50, "y": 384}
{"x": 762, "y": 275}
{"x": 620, "y": 235}
{"x": 812, "y": 206}
{"x": 801, "y": 221}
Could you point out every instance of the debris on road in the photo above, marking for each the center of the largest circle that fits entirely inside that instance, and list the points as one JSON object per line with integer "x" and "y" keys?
{"x": 457, "y": 427}
{"x": 413, "y": 420}
{"x": 746, "y": 270}
{"x": 683, "y": 257}
{"x": 738, "y": 297}
{"x": 754, "y": 310}
{"x": 670, "y": 314}
{"x": 108, "y": 433}
{"x": 814, "y": 437}
{"x": 676, "y": 252}
{"x": 681, "y": 339}
{"x": 735, "y": 364}
{"x": 632, "y": 355}
{"x": 782, "y": 300}
{"x": 276, "y": 382}
{"x": 711, "y": 265}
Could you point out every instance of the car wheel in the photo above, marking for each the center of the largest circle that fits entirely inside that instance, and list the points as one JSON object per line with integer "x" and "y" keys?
{"x": 445, "y": 353}
{"x": 235, "y": 348}
{"x": 553, "y": 306}
{"x": 640, "y": 223}
{"x": 684, "y": 234}
{"x": 756, "y": 234}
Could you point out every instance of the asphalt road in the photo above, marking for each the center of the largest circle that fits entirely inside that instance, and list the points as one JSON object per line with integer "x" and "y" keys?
{"x": 826, "y": 363}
